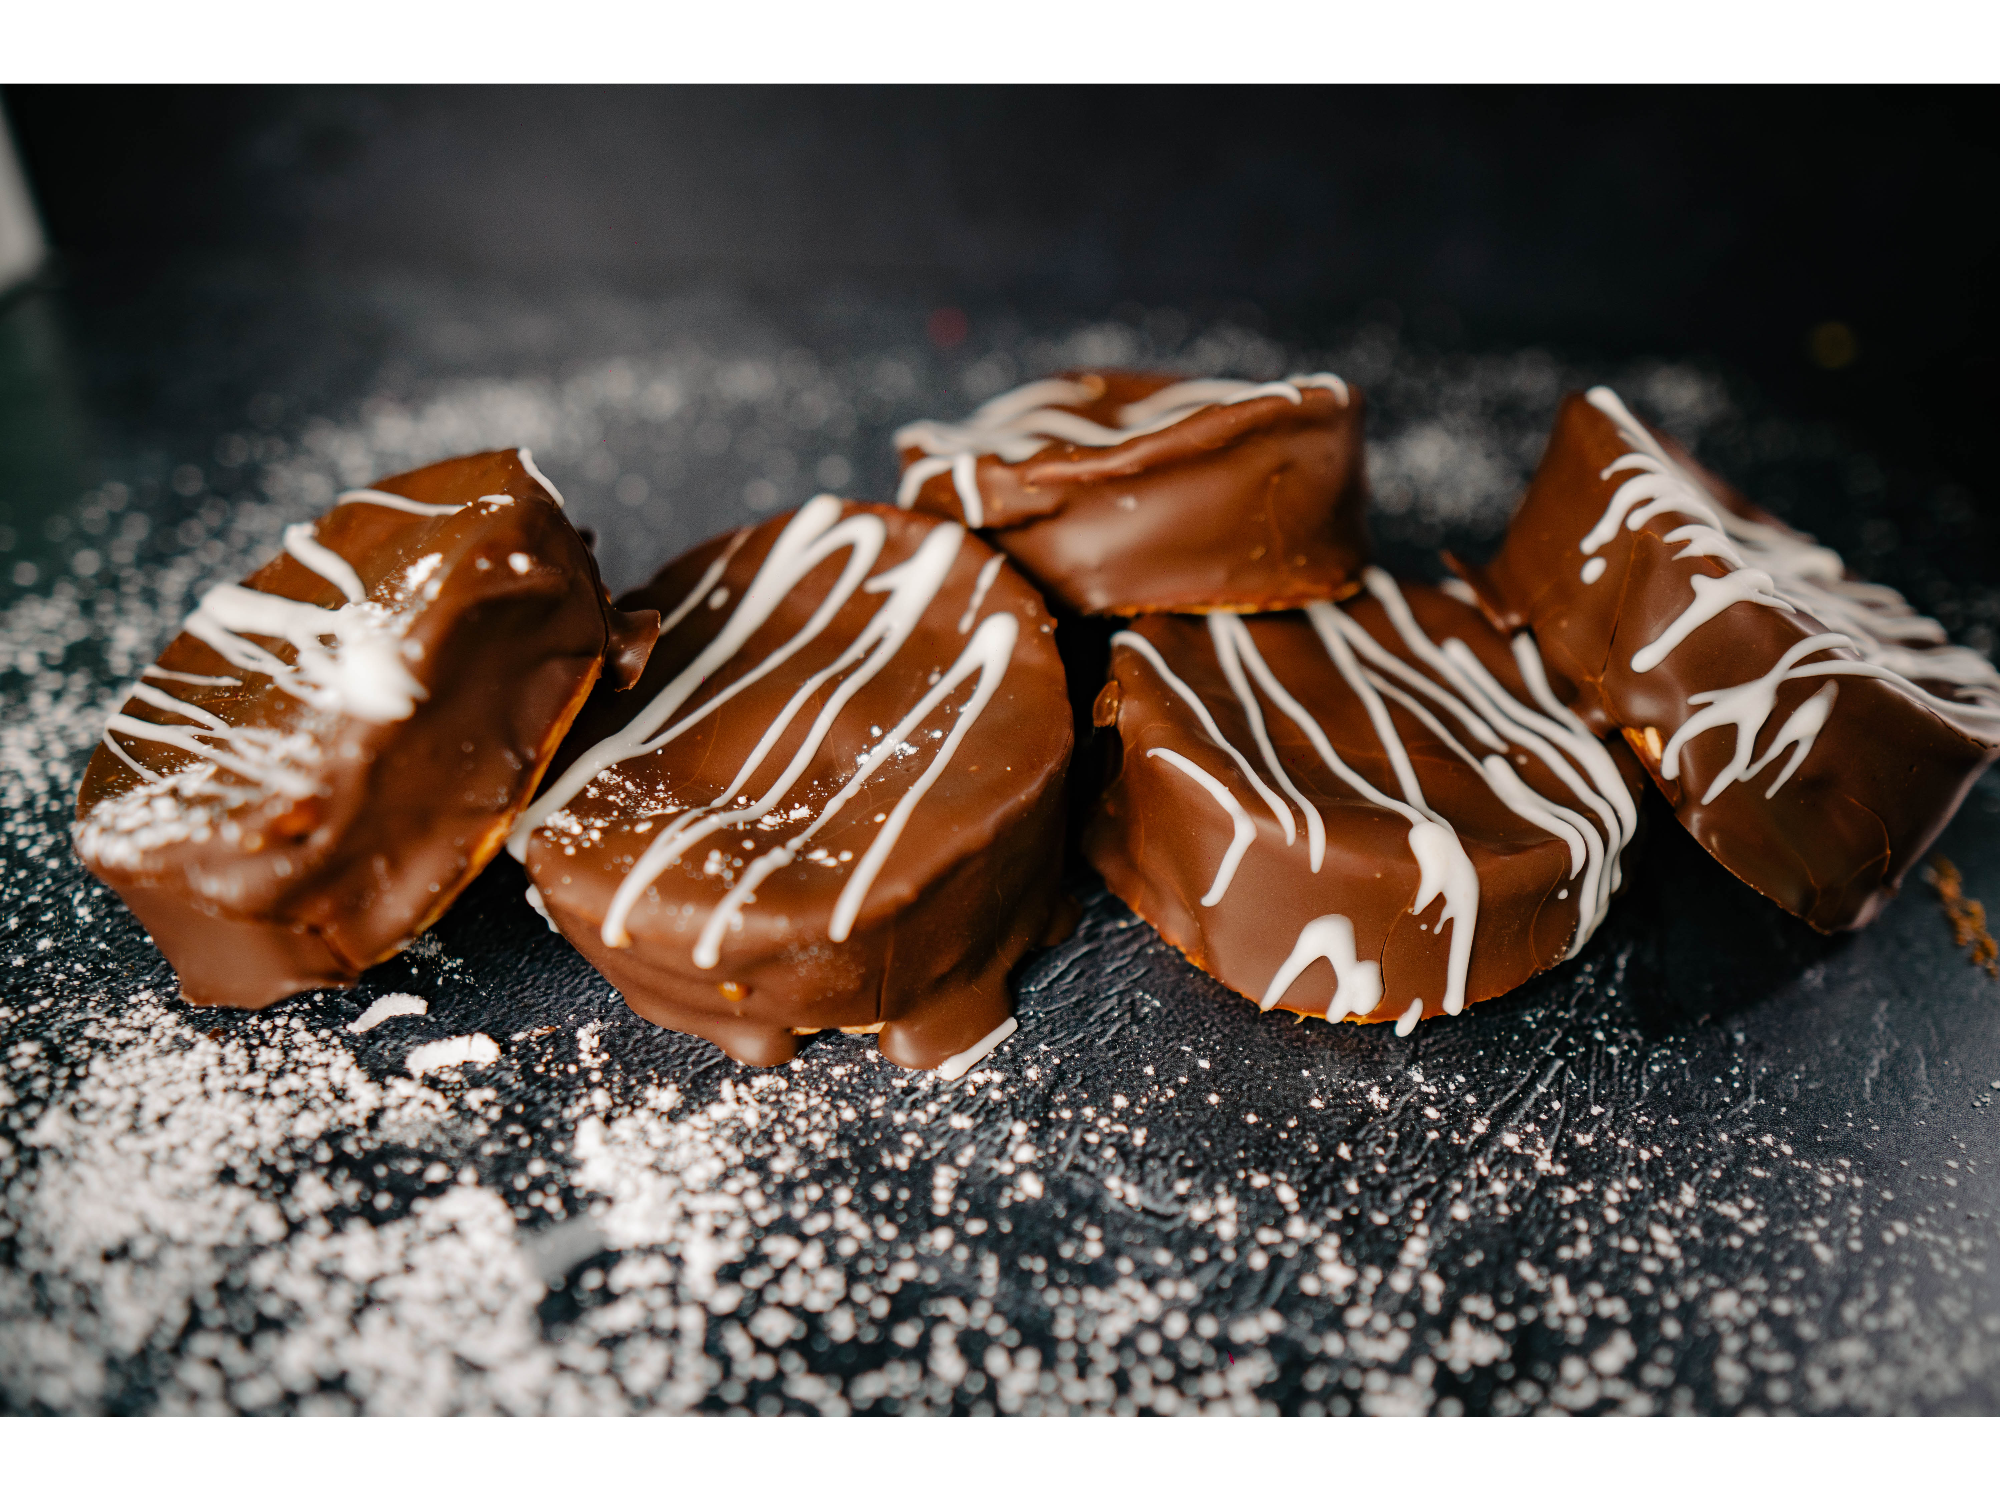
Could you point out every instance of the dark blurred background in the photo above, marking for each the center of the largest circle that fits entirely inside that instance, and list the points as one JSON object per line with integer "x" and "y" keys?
{"x": 1835, "y": 247}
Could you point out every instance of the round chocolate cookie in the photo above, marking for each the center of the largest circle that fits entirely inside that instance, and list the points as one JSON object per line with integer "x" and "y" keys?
{"x": 1389, "y": 786}
{"x": 835, "y": 800}
{"x": 1810, "y": 729}
{"x": 1123, "y": 493}
{"x": 331, "y": 749}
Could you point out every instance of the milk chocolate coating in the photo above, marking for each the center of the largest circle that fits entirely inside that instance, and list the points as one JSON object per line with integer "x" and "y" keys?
{"x": 1828, "y": 836}
{"x": 1251, "y": 505}
{"x": 1183, "y": 804}
{"x": 289, "y": 844}
{"x": 762, "y": 779}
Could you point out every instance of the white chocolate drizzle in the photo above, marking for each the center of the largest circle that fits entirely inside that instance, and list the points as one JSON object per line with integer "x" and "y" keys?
{"x": 1018, "y": 424}
{"x": 985, "y": 581}
{"x": 1357, "y": 981}
{"x": 815, "y": 534}
{"x": 1457, "y": 685}
{"x": 403, "y": 503}
{"x": 1245, "y": 831}
{"x": 1780, "y": 569}
{"x": 350, "y": 660}
{"x": 528, "y": 463}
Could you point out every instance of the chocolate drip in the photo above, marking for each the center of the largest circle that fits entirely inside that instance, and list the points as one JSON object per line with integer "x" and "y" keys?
{"x": 1125, "y": 493}
{"x": 835, "y": 799}
{"x": 334, "y": 748}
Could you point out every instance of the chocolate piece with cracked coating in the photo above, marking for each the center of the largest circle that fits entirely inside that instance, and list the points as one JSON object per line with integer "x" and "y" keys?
{"x": 332, "y": 749}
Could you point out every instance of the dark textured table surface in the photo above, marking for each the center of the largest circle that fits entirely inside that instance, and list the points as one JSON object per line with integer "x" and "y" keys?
{"x": 1714, "y": 1164}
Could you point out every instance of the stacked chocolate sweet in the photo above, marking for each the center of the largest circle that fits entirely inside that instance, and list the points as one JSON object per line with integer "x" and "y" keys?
{"x": 813, "y": 775}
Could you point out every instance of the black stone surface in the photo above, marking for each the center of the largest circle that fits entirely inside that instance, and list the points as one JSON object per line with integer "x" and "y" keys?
{"x": 1715, "y": 1164}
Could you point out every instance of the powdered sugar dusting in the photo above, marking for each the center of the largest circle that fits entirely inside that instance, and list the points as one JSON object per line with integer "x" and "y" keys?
{"x": 1615, "y": 1191}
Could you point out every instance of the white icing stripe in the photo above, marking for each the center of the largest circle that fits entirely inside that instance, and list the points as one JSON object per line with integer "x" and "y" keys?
{"x": 194, "y": 678}
{"x": 1601, "y": 787}
{"x": 528, "y": 463}
{"x": 1321, "y": 381}
{"x": 1746, "y": 707}
{"x": 330, "y": 565}
{"x": 173, "y": 705}
{"x": 917, "y": 476}
{"x": 987, "y": 653}
{"x": 1231, "y": 638}
{"x": 709, "y": 578}
{"x": 1189, "y": 696}
{"x": 1357, "y": 981}
{"x": 395, "y": 502}
{"x": 984, "y": 582}
{"x": 1778, "y": 569}
{"x": 111, "y": 744}
{"x": 1443, "y": 867}
{"x": 263, "y": 770}
{"x": 1384, "y": 666}
{"x": 960, "y": 1063}
{"x": 1018, "y": 424}
{"x": 1711, "y": 597}
{"x": 1334, "y": 630}
{"x": 1243, "y": 833}
{"x": 965, "y": 480}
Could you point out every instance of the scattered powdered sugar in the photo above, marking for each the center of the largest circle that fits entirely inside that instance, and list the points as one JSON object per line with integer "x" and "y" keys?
{"x": 478, "y": 1049}
{"x": 386, "y": 1008}
{"x": 1593, "y": 1196}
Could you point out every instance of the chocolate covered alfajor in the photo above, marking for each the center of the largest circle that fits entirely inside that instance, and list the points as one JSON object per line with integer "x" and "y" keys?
{"x": 1811, "y": 730}
{"x": 332, "y": 748}
{"x": 1123, "y": 493}
{"x": 835, "y": 799}
{"x": 1377, "y": 810}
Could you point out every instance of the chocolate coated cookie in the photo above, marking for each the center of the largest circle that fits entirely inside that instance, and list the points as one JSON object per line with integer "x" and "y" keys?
{"x": 835, "y": 799}
{"x": 332, "y": 748}
{"x": 1810, "y": 729}
{"x": 1124, "y": 494}
{"x": 1376, "y": 810}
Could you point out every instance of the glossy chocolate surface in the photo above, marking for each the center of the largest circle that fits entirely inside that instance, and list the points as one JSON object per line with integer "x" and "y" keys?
{"x": 282, "y": 813}
{"x": 835, "y": 799}
{"x": 1468, "y": 837}
{"x": 1762, "y": 687}
{"x": 1252, "y": 500}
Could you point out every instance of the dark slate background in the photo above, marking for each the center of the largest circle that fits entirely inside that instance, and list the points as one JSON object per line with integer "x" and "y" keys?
{"x": 1803, "y": 1120}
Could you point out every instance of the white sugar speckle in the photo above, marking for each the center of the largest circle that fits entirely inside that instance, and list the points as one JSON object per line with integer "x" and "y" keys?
{"x": 478, "y": 1049}
{"x": 387, "y": 1006}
